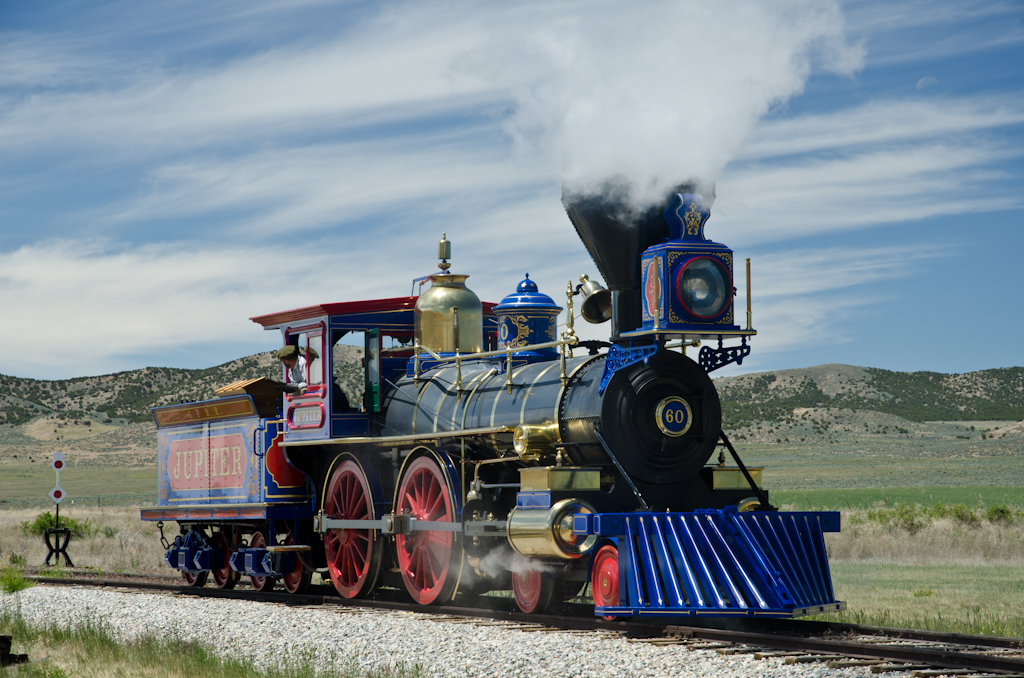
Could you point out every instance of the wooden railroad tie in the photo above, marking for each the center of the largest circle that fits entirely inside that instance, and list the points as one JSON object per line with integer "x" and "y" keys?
{"x": 6, "y": 658}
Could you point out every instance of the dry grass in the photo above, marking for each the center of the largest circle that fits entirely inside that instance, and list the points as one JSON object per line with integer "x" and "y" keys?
{"x": 941, "y": 542}
{"x": 119, "y": 540}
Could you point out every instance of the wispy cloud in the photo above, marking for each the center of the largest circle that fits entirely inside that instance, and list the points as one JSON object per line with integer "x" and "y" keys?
{"x": 391, "y": 72}
{"x": 879, "y": 164}
{"x": 921, "y": 30}
{"x": 802, "y": 297}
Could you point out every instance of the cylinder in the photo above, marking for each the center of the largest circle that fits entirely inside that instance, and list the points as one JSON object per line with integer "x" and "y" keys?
{"x": 548, "y": 533}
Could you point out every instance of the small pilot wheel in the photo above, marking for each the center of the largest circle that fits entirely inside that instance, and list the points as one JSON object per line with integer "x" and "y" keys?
{"x": 429, "y": 559}
{"x": 533, "y": 592}
{"x": 604, "y": 577}
{"x": 223, "y": 576}
{"x": 258, "y": 541}
{"x": 296, "y": 581}
{"x": 353, "y": 556}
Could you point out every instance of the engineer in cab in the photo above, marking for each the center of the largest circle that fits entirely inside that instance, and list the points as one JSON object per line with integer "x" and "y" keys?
{"x": 295, "y": 364}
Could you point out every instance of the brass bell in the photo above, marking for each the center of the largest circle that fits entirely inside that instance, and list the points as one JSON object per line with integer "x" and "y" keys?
{"x": 597, "y": 301}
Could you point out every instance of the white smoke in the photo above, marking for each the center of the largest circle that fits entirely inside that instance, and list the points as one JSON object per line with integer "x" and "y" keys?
{"x": 653, "y": 94}
{"x": 503, "y": 559}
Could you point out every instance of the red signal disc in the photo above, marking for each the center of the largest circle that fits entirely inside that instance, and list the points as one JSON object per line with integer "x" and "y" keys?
{"x": 58, "y": 464}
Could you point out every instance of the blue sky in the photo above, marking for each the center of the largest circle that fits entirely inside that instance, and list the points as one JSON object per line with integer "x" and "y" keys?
{"x": 170, "y": 169}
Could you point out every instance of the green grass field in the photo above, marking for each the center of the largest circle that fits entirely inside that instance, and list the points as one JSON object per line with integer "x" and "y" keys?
{"x": 864, "y": 498}
{"x": 986, "y": 600}
{"x": 24, "y": 485}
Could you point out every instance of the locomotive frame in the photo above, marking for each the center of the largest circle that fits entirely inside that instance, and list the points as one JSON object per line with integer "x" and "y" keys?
{"x": 486, "y": 455}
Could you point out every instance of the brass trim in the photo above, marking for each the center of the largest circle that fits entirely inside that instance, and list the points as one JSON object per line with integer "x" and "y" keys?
{"x": 409, "y": 438}
{"x": 264, "y": 504}
{"x": 565, "y": 383}
{"x": 661, "y": 408}
{"x": 465, "y": 403}
{"x": 559, "y": 478}
{"x": 732, "y": 478}
{"x": 528, "y": 438}
{"x": 416, "y": 409}
{"x": 539, "y": 532}
{"x": 526, "y": 398}
{"x": 711, "y": 333}
{"x": 443, "y": 397}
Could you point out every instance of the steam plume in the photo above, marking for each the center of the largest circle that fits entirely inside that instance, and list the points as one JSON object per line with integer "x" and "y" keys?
{"x": 649, "y": 95}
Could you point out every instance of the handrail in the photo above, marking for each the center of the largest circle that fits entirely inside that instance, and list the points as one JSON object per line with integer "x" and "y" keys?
{"x": 571, "y": 341}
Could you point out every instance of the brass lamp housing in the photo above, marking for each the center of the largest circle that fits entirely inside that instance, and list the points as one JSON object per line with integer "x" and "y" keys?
{"x": 529, "y": 439}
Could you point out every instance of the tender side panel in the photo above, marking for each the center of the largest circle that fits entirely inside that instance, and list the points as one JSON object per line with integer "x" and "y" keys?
{"x": 209, "y": 462}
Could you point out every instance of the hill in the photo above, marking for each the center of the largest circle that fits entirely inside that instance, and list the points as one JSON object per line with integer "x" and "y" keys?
{"x": 125, "y": 397}
{"x": 915, "y": 396}
{"x": 104, "y": 420}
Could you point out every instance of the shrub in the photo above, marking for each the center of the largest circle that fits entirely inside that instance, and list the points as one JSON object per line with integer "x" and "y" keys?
{"x": 12, "y": 580}
{"x": 958, "y": 512}
{"x": 999, "y": 513}
{"x": 109, "y": 531}
{"x": 47, "y": 521}
{"x": 900, "y": 516}
{"x": 17, "y": 559}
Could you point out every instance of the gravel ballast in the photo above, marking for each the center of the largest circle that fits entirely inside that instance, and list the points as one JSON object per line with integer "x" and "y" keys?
{"x": 276, "y": 635}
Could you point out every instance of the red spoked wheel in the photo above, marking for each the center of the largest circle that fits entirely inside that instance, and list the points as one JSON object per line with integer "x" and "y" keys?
{"x": 196, "y": 580}
{"x": 258, "y": 541}
{"x": 429, "y": 559}
{"x": 353, "y": 556}
{"x": 604, "y": 577}
{"x": 296, "y": 581}
{"x": 532, "y": 591}
{"x": 223, "y": 576}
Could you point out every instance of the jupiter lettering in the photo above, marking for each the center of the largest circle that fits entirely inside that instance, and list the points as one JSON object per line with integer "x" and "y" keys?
{"x": 217, "y": 462}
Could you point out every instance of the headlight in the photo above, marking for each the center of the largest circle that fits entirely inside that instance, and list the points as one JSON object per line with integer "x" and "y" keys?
{"x": 704, "y": 287}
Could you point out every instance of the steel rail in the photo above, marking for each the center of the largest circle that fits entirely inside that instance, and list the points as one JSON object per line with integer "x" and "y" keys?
{"x": 954, "y": 656}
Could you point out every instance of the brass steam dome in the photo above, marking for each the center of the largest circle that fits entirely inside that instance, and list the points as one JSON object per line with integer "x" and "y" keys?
{"x": 449, "y": 315}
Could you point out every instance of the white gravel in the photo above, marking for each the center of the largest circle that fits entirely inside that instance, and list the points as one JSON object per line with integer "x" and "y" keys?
{"x": 273, "y": 635}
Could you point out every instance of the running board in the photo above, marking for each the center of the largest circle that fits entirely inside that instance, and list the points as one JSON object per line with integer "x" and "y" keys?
{"x": 719, "y": 563}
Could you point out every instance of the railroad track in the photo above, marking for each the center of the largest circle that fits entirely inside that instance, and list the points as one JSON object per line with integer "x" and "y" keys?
{"x": 881, "y": 650}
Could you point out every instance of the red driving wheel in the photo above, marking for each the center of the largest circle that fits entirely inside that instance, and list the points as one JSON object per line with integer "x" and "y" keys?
{"x": 353, "y": 556}
{"x": 532, "y": 591}
{"x": 258, "y": 541}
{"x": 223, "y": 576}
{"x": 195, "y": 579}
{"x": 296, "y": 581}
{"x": 428, "y": 559}
{"x": 604, "y": 577}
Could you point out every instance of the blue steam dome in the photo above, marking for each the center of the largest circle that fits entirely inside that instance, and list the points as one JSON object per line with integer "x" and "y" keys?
{"x": 527, "y": 317}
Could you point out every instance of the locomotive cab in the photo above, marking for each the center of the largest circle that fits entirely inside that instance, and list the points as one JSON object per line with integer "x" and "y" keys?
{"x": 346, "y": 382}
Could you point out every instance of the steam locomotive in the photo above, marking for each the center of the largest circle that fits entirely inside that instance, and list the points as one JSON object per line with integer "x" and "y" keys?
{"x": 491, "y": 451}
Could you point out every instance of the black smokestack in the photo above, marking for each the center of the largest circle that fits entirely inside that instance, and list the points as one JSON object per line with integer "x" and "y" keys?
{"x": 616, "y": 234}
